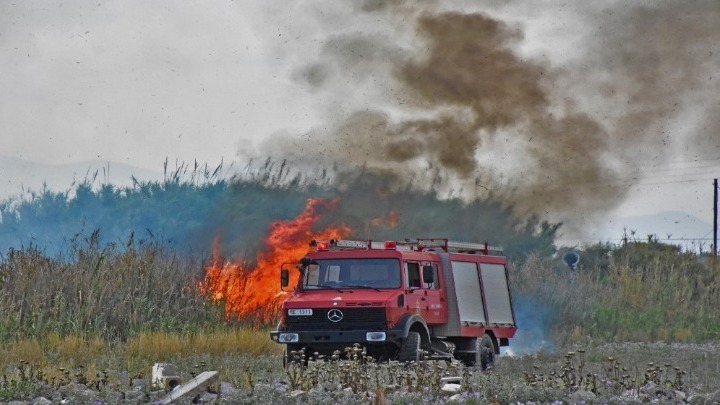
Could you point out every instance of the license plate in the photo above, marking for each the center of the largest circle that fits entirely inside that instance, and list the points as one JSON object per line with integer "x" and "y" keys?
{"x": 300, "y": 312}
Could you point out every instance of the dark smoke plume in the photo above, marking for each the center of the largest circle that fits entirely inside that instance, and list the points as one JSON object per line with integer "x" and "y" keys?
{"x": 456, "y": 99}
{"x": 657, "y": 65}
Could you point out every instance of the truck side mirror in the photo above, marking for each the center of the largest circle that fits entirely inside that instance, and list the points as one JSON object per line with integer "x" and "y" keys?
{"x": 428, "y": 274}
{"x": 284, "y": 277}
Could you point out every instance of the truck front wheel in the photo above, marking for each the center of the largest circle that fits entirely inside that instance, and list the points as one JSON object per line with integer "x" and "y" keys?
{"x": 410, "y": 348}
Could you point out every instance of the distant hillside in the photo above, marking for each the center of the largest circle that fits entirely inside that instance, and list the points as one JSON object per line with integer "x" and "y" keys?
{"x": 17, "y": 175}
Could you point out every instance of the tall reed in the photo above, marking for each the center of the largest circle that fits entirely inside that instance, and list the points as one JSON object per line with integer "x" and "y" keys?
{"x": 112, "y": 292}
{"x": 641, "y": 291}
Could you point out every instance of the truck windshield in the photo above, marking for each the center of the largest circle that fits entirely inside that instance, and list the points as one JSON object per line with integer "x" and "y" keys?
{"x": 352, "y": 273}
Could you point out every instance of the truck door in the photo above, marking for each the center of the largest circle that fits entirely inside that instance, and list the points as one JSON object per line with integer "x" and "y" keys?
{"x": 425, "y": 297}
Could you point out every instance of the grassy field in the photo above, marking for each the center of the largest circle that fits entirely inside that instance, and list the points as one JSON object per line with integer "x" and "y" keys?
{"x": 104, "y": 316}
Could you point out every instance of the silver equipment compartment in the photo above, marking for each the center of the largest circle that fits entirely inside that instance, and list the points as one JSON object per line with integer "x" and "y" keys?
{"x": 497, "y": 294}
{"x": 467, "y": 285}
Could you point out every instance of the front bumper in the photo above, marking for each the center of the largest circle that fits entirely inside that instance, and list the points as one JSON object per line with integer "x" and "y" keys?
{"x": 334, "y": 336}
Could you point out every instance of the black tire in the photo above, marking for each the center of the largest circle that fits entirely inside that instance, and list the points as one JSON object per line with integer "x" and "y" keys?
{"x": 485, "y": 355}
{"x": 410, "y": 348}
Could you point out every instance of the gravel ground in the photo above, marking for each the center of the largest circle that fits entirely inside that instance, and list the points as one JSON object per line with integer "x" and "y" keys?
{"x": 609, "y": 373}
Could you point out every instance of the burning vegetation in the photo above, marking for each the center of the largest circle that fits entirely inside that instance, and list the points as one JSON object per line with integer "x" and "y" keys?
{"x": 252, "y": 291}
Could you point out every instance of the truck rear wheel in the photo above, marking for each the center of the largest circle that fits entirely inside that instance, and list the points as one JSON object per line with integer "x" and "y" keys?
{"x": 480, "y": 353}
{"x": 410, "y": 348}
{"x": 485, "y": 355}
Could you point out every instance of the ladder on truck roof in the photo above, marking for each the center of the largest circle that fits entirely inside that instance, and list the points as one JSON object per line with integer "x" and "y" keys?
{"x": 454, "y": 246}
{"x": 419, "y": 244}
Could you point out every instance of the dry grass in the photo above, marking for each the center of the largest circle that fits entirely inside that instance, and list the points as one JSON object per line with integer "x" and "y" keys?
{"x": 159, "y": 346}
{"x": 638, "y": 292}
{"x": 146, "y": 347}
{"x": 54, "y": 347}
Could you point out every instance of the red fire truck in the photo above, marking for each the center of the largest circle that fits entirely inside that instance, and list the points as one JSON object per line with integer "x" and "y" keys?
{"x": 404, "y": 300}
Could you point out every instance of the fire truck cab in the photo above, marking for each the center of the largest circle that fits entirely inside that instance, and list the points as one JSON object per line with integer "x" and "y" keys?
{"x": 404, "y": 300}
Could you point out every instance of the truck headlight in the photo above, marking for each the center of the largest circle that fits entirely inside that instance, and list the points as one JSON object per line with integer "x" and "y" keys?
{"x": 375, "y": 336}
{"x": 288, "y": 338}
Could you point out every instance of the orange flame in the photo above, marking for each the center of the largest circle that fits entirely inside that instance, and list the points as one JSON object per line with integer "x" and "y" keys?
{"x": 390, "y": 220}
{"x": 255, "y": 293}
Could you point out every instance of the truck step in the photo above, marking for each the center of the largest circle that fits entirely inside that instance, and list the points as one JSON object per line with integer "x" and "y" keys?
{"x": 438, "y": 356}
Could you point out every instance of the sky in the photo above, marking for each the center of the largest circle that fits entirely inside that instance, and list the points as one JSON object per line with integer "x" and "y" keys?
{"x": 581, "y": 113}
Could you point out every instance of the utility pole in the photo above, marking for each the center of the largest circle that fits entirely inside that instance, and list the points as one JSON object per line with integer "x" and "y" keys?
{"x": 715, "y": 216}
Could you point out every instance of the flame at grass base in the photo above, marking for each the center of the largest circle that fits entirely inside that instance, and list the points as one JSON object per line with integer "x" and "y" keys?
{"x": 254, "y": 294}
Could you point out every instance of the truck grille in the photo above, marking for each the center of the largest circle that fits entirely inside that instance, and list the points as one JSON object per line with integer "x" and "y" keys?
{"x": 353, "y": 319}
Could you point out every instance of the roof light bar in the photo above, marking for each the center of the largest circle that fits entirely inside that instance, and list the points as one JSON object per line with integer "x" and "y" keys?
{"x": 430, "y": 242}
{"x": 351, "y": 243}
{"x": 467, "y": 245}
{"x": 419, "y": 244}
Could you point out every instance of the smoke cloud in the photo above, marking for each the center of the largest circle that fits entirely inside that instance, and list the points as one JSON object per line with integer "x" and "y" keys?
{"x": 466, "y": 95}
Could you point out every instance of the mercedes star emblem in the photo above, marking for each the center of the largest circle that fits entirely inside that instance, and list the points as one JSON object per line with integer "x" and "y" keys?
{"x": 335, "y": 315}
